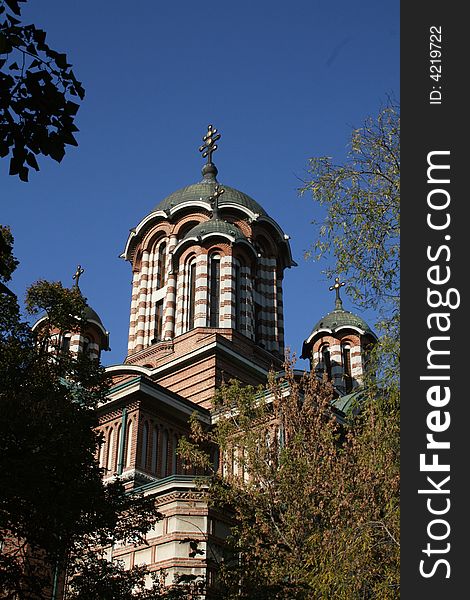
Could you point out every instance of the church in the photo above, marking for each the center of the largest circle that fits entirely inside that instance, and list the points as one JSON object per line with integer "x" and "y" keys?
{"x": 208, "y": 264}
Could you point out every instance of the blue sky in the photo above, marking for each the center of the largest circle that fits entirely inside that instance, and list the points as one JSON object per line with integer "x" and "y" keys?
{"x": 281, "y": 81}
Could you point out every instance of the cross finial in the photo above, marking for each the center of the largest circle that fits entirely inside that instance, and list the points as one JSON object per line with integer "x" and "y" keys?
{"x": 77, "y": 275}
{"x": 209, "y": 145}
{"x": 336, "y": 286}
{"x": 214, "y": 200}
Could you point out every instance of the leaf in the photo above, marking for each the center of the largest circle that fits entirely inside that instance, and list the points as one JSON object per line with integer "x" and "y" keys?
{"x": 71, "y": 108}
{"x": 13, "y": 5}
{"x": 23, "y": 173}
{"x": 31, "y": 160}
{"x": 13, "y": 21}
{"x": 14, "y": 166}
{"x": 56, "y": 150}
{"x": 61, "y": 60}
{"x": 5, "y": 45}
{"x": 13, "y": 67}
{"x": 40, "y": 36}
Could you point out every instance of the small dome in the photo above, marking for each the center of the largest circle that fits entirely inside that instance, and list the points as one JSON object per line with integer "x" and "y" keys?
{"x": 203, "y": 190}
{"x": 214, "y": 226}
{"x": 90, "y": 315}
{"x": 340, "y": 318}
{"x": 334, "y": 321}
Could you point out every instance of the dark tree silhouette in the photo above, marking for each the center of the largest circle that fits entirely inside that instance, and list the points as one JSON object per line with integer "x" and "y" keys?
{"x": 37, "y": 85}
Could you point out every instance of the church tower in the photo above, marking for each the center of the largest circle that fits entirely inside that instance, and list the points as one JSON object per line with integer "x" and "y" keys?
{"x": 338, "y": 346}
{"x": 208, "y": 266}
{"x": 90, "y": 339}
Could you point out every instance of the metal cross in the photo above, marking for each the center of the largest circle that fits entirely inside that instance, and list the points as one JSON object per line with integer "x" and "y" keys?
{"x": 209, "y": 145}
{"x": 77, "y": 275}
{"x": 214, "y": 201}
{"x": 336, "y": 287}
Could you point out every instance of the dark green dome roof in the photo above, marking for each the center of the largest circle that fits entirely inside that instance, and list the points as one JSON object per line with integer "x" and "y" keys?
{"x": 341, "y": 318}
{"x": 90, "y": 315}
{"x": 215, "y": 226}
{"x": 203, "y": 190}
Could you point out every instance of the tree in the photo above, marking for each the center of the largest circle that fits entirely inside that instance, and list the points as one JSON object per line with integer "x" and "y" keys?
{"x": 37, "y": 85}
{"x": 315, "y": 505}
{"x": 57, "y": 517}
{"x": 361, "y": 228}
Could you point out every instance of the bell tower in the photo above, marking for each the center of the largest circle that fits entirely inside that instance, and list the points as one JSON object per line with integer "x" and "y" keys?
{"x": 339, "y": 345}
{"x": 90, "y": 339}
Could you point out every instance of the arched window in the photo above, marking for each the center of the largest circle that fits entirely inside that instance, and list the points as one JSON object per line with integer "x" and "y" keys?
{"x": 164, "y": 453}
{"x": 191, "y": 279}
{"x": 159, "y": 320}
{"x": 65, "y": 343}
{"x": 326, "y": 360}
{"x": 118, "y": 448}
{"x": 281, "y": 438}
{"x": 109, "y": 457}
{"x": 129, "y": 444}
{"x": 145, "y": 440}
{"x": 215, "y": 459}
{"x": 257, "y": 324}
{"x": 233, "y": 461}
{"x": 101, "y": 454}
{"x": 174, "y": 464}
{"x": 347, "y": 371}
{"x": 214, "y": 290}
{"x": 238, "y": 299}
{"x": 161, "y": 265}
{"x": 154, "y": 450}
{"x": 86, "y": 346}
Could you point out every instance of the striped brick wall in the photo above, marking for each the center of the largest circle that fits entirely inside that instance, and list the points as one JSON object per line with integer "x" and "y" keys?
{"x": 133, "y": 316}
{"x": 266, "y": 296}
{"x": 280, "y": 314}
{"x": 145, "y": 296}
{"x": 78, "y": 341}
{"x": 246, "y": 308}
{"x": 357, "y": 363}
{"x": 242, "y": 301}
{"x": 201, "y": 299}
{"x": 169, "y": 303}
{"x": 336, "y": 345}
{"x": 182, "y": 298}
{"x": 227, "y": 292}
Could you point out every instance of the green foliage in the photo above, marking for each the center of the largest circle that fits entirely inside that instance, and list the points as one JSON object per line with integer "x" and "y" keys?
{"x": 100, "y": 579}
{"x": 8, "y": 262}
{"x": 36, "y": 86}
{"x": 362, "y": 222}
{"x": 54, "y": 508}
{"x": 315, "y": 506}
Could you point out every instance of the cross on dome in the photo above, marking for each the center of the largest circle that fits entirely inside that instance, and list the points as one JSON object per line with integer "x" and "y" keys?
{"x": 336, "y": 286}
{"x": 209, "y": 146}
{"x": 214, "y": 201}
{"x": 77, "y": 275}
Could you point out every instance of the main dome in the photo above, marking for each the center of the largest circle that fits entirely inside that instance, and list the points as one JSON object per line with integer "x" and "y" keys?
{"x": 202, "y": 191}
